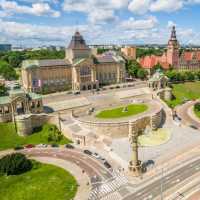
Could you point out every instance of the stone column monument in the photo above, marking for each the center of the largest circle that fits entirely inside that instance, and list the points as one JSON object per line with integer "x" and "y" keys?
{"x": 135, "y": 163}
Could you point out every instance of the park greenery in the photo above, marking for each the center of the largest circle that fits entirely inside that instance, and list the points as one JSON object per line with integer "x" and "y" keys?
{"x": 47, "y": 134}
{"x": 197, "y": 109}
{"x": 3, "y": 90}
{"x": 141, "y": 52}
{"x": 183, "y": 92}
{"x": 41, "y": 182}
{"x": 125, "y": 111}
{"x": 181, "y": 76}
{"x": 14, "y": 164}
{"x": 135, "y": 70}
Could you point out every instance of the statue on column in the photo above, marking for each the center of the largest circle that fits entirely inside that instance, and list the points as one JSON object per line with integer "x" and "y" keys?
{"x": 135, "y": 163}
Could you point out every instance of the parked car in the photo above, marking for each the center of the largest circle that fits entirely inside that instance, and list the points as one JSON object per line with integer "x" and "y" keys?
{"x": 18, "y": 148}
{"x": 107, "y": 165}
{"x": 54, "y": 145}
{"x": 41, "y": 145}
{"x": 193, "y": 126}
{"x": 29, "y": 146}
{"x": 69, "y": 146}
{"x": 96, "y": 155}
{"x": 87, "y": 152}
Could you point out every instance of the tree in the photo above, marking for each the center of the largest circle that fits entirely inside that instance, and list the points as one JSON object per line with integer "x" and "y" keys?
{"x": 14, "y": 164}
{"x": 132, "y": 67}
{"x": 158, "y": 67}
{"x": 7, "y": 71}
{"x": 142, "y": 74}
{"x": 3, "y": 90}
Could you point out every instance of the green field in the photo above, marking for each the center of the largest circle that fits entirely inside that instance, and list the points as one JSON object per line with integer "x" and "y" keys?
{"x": 9, "y": 138}
{"x": 184, "y": 91}
{"x": 41, "y": 183}
{"x": 132, "y": 109}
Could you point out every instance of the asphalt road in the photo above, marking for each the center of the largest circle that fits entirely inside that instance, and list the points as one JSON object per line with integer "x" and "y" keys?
{"x": 182, "y": 112}
{"x": 94, "y": 168}
{"x": 153, "y": 190}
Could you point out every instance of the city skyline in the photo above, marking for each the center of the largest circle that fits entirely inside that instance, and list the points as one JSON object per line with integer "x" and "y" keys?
{"x": 52, "y": 22}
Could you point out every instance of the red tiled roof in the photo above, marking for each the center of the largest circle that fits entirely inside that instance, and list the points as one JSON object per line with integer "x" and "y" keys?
{"x": 188, "y": 56}
{"x": 148, "y": 62}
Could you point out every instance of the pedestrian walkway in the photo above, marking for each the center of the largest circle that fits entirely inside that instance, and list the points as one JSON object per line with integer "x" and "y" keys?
{"x": 105, "y": 189}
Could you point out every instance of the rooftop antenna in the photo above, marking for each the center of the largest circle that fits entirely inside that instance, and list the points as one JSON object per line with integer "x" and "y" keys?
{"x": 76, "y": 26}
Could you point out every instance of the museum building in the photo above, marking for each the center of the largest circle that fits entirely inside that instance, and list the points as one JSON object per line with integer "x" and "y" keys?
{"x": 82, "y": 69}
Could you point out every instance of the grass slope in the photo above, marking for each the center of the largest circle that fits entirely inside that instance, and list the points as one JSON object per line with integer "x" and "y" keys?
{"x": 9, "y": 139}
{"x": 41, "y": 183}
{"x": 181, "y": 91}
{"x": 133, "y": 109}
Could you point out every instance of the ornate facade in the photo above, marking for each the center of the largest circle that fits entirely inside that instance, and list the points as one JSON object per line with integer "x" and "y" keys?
{"x": 18, "y": 102}
{"x": 172, "y": 58}
{"x": 80, "y": 70}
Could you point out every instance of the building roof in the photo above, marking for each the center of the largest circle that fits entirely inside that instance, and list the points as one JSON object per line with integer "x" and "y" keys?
{"x": 148, "y": 62}
{"x": 109, "y": 57}
{"x": 45, "y": 63}
{"x": 78, "y": 42}
{"x": 189, "y": 56}
{"x": 18, "y": 92}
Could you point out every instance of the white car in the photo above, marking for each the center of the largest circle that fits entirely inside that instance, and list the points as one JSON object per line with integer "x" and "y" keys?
{"x": 96, "y": 155}
{"x": 42, "y": 145}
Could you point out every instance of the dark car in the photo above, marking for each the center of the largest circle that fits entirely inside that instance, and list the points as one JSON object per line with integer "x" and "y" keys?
{"x": 107, "y": 165}
{"x": 193, "y": 126}
{"x": 87, "y": 152}
{"x": 69, "y": 146}
{"x": 54, "y": 145}
{"x": 18, "y": 148}
{"x": 29, "y": 146}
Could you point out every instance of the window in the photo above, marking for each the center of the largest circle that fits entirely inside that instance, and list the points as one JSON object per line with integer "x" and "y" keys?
{"x": 85, "y": 71}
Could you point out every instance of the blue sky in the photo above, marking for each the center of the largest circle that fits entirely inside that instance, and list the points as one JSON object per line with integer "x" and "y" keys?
{"x": 45, "y": 22}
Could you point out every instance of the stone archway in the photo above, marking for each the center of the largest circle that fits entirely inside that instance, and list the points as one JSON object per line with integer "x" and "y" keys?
{"x": 19, "y": 105}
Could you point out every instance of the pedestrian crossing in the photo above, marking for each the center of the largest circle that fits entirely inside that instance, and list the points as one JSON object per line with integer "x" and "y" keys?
{"x": 105, "y": 189}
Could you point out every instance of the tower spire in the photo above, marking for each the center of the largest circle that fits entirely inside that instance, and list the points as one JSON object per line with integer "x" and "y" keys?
{"x": 173, "y": 33}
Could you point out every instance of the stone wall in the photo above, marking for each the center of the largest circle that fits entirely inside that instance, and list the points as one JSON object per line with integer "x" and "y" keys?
{"x": 26, "y": 123}
{"x": 121, "y": 129}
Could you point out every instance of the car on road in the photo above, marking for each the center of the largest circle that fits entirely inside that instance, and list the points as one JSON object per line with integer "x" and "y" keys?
{"x": 69, "y": 146}
{"x": 193, "y": 126}
{"x": 29, "y": 146}
{"x": 96, "y": 155}
{"x": 55, "y": 145}
{"x": 107, "y": 165}
{"x": 42, "y": 145}
{"x": 87, "y": 152}
{"x": 18, "y": 148}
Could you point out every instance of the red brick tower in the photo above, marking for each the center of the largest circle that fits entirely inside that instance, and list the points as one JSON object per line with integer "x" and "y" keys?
{"x": 173, "y": 49}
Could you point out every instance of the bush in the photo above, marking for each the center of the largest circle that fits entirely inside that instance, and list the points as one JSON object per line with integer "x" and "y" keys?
{"x": 197, "y": 106}
{"x": 14, "y": 164}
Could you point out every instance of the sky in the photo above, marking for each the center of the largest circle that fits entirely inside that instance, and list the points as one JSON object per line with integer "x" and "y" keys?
{"x": 31, "y": 23}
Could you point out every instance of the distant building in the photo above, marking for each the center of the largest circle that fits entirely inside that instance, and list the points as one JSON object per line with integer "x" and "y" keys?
{"x": 172, "y": 58}
{"x": 129, "y": 52}
{"x": 5, "y": 47}
{"x": 80, "y": 70}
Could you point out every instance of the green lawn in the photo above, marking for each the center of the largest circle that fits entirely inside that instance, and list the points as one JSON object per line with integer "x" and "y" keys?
{"x": 181, "y": 91}
{"x": 132, "y": 109}
{"x": 9, "y": 138}
{"x": 41, "y": 183}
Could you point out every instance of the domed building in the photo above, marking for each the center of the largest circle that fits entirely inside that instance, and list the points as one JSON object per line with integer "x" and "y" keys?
{"x": 80, "y": 70}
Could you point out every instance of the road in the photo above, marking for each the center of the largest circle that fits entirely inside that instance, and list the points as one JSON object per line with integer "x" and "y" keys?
{"x": 182, "y": 112}
{"x": 95, "y": 169}
{"x": 153, "y": 190}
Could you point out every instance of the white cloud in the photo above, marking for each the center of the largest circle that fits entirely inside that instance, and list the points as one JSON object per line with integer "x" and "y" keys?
{"x": 170, "y": 24}
{"x": 141, "y": 24}
{"x": 96, "y": 10}
{"x": 166, "y": 5}
{"x": 139, "y": 6}
{"x": 37, "y": 9}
